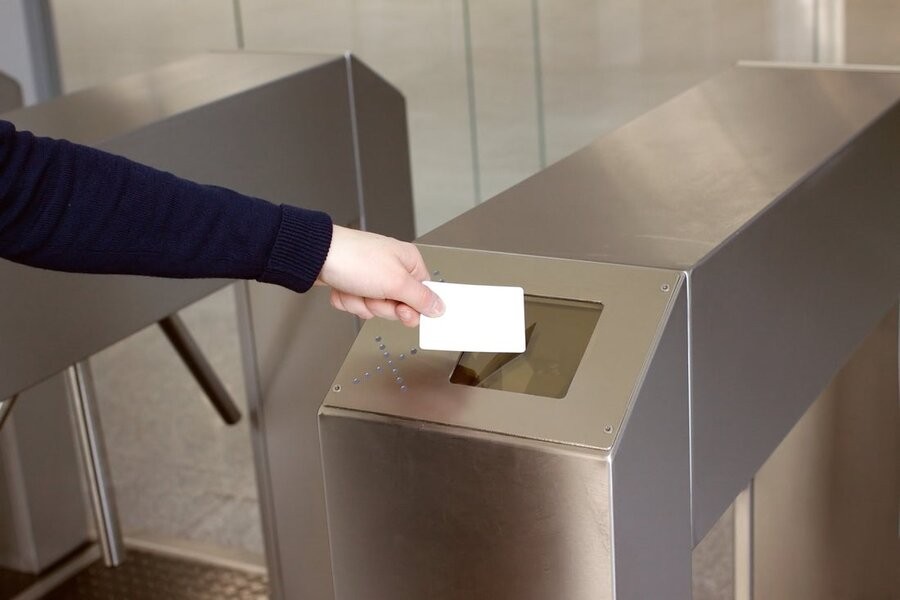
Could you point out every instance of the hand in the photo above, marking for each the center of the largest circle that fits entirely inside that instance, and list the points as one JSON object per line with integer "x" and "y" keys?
{"x": 372, "y": 275}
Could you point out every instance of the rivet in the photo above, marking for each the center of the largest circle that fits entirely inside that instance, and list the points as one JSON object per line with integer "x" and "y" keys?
{"x": 395, "y": 370}
{"x": 608, "y": 429}
{"x": 402, "y": 356}
{"x": 336, "y": 388}
{"x": 664, "y": 287}
{"x": 413, "y": 350}
{"x": 367, "y": 374}
{"x": 379, "y": 368}
{"x": 403, "y": 388}
{"x": 377, "y": 338}
{"x": 381, "y": 346}
{"x": 356, "y": 380}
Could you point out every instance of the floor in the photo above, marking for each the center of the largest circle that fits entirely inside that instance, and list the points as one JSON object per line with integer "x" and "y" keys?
{"x": 152, "y": 576}
{"x": 495, "y": 91}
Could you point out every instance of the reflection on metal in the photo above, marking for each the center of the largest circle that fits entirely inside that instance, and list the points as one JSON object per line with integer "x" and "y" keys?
{"x": 825, "y": 502}
{"x": 809, "y": 66}
{"x": 743, "y": 544}
{"x": 6, "y": 408}
{"x": 96, "y": 466}
{"x": 743, "y": 235}
{"x": 10, "y": 93}
{"x": 183, "y": 342}
{"x": 830, "y": 27}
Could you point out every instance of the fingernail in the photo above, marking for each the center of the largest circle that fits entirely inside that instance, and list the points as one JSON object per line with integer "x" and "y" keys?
{"x": 405, "y": 313}
{"x": 437, "y": 309}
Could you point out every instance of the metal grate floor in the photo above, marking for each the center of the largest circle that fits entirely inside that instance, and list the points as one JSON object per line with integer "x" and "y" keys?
{"x": 149, "y": 576}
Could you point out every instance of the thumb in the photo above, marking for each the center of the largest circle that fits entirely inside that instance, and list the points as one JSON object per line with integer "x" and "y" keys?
{"x": 420, "y": 298}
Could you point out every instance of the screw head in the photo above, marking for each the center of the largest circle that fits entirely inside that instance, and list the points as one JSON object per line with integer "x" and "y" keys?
{"x": 608, "y": 429}
{"x": 336, "y": 388}
{"x": 665, "y": 287}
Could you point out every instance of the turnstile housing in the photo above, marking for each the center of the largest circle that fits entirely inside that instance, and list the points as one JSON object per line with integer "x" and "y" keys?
{"x": 774, "y": 193}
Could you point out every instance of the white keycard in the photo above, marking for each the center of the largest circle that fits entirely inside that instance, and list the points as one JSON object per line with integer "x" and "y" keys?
{"x": 478, "y": 318}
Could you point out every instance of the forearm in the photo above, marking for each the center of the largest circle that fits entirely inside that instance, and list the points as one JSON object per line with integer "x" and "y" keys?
{"x": 73, "y": 208}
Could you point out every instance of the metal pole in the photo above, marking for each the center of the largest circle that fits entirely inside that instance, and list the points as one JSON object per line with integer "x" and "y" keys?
{"x": 193, "y": 358}
{"x": 743, "y": 544}
{"x": 6, "y": 407}
{"x": 43, "y": 47}
{"x": 93, "y": 452}
{"x": 539, "y": 84}
{"x": 470, "y": 94}
{"x": 238, "y": 24}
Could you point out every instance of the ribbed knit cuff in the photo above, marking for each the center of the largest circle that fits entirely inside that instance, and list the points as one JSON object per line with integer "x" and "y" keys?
{"x": 300, "y": 249}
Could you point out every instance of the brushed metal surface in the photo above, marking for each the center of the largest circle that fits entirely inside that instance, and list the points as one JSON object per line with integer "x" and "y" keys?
{"x": 651, "y": 492}
{"x": 39, "y": 458}
{"x": 674, "y": 184}
{"x": 104, "y": 112}
{"x": 777, "y": 310}
{"x": 775, "y": 190}
{"x": 613, "y": 362}
{"x": 834, "y": 483}
{"x": 382, "y": 146}
{"x": 52, "y": 320}
{"x": 420, "y": 511}
{"x": 298, "y": 343}
{"x": 293, "y": 345}
{"x": 10, "y": 93}
{"x": 96, "y": 466}
{"x": 294, "y": 115}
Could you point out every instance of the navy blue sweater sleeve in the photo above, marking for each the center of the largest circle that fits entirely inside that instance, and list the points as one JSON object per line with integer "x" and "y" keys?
{"x": 72, "y": 208}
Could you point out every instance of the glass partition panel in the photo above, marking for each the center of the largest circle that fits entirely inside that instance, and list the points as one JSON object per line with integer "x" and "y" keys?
{"x": 606, "y": 62}
{"x": 872, "y": 32}
{"x": 100, "y": 40}
{"x": 418, "y": 47}
{"x": 506, "y": 92}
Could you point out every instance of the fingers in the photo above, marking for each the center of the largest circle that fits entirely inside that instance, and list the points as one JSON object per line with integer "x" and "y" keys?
{"x": 351, "y": 304}
{"x": 420, "y": 298}
{"x": 366, "y": 308}
{"x": 385, "y": 309}
{"x": 417, "y": 297}
{"x": 372, "y": 275}
{"x": 411, "y": 259}
{"x": 407, "y": 316}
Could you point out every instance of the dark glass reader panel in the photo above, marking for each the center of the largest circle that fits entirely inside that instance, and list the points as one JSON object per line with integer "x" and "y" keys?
{"x": 557, "y": 333}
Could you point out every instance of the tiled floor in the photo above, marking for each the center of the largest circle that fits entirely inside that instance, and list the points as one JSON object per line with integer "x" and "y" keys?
{"x": 546, "y": 78}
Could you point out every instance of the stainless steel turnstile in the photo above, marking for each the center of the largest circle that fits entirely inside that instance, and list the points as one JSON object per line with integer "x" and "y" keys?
{"x": 694, "y": 281}
{"x": 319, "y": 131}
